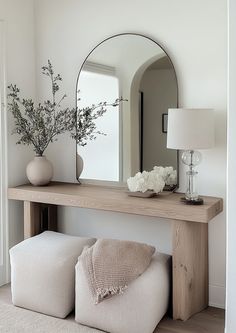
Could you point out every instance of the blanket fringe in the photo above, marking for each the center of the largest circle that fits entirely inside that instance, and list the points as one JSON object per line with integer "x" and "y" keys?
{"x": 109, "y": 292}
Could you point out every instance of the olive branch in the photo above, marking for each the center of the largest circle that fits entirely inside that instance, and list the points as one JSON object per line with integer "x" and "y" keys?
{"x": 41, "y": 125}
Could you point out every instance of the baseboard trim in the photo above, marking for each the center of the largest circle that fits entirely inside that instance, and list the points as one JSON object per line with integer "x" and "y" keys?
{"x": 217, "y": 296}
{"x": 219, "y": 306}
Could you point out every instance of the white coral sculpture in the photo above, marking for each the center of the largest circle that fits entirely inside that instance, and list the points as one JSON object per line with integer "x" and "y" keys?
{"x": 154, "y": 180}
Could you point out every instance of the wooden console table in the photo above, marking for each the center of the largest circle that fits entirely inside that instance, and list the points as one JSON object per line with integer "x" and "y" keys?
{"x": 190, "y": 229}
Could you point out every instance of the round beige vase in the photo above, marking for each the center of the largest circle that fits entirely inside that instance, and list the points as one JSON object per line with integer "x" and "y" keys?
{"x": 39, "y": 171}
{"x": 79, "y": 166}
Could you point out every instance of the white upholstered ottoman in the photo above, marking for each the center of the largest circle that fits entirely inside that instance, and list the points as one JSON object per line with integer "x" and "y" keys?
{"x": 43, "y": 272}
{"x": 138, "y": 310}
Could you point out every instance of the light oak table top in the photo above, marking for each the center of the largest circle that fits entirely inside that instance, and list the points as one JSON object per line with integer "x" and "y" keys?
{"x": 166, "y": 205}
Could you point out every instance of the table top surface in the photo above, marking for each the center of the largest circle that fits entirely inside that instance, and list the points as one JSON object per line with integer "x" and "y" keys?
{"x": 165, "y": 205}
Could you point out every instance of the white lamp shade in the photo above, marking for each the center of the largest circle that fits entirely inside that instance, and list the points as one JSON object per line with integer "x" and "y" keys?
{"x": 190, "y": 129}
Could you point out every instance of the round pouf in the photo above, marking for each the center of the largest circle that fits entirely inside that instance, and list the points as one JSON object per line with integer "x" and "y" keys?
{"x": 39, "y": 171}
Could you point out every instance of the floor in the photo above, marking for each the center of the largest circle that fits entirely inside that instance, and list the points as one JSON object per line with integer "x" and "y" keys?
{"x": 210, "y": 320}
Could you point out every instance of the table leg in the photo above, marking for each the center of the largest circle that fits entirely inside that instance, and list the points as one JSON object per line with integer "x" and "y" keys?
{"x": 39, "y": 217}
{"x": 32, "y": 218}
{"x": 190, "y": 268}
{"x": 52, "y": 217}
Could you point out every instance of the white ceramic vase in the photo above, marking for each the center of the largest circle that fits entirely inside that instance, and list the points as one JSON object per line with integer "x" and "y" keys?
{"x": 39, "y": 171}
{"x": 79, "y": 166}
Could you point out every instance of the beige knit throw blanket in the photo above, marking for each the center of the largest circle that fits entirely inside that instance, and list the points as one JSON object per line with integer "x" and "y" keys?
{"x": 110, "y": 265}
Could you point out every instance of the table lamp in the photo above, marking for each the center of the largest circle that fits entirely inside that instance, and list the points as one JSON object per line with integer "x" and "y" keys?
{"x": 189, "y": 130}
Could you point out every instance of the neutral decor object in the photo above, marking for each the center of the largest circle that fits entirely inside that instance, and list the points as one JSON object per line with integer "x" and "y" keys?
{"x": 110, "y": 265}
{"x": 146, "y": 181}
{"x": 147, "y": 184}
{"x": 138, "y": 309}
{"x": 138, "y": 194}
{"x": 40, "y": 125}
{"x": 188, "y": 130}
{"x": 79, "y": 166}
{"x": 39, "y": 171}
{"x": 189, "y": 229}
{"x": 42, "y": 272}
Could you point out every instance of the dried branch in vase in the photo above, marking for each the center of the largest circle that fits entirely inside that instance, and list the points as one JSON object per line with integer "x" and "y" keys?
{"x": 41, "y": 125}
{"x": 86, "y": 128}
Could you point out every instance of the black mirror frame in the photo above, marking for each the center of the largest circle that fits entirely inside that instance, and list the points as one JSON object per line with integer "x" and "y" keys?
{"x": 154, "y": 41}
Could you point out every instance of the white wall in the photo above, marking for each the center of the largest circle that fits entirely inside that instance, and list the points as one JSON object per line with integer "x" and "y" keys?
{"x": 18, "y": 17}
{"x": 231, "y": 177}
{"x": 194, "y": 35}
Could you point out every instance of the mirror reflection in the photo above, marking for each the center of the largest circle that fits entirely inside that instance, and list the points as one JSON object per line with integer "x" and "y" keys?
{"x": 131, "y": 135}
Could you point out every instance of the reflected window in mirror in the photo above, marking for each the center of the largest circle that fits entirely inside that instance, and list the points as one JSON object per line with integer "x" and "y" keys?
{"x": 138, "y": 69}
{"x": 102, "y": 82}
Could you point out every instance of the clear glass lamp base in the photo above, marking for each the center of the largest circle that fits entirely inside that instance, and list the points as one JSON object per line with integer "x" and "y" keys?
{"x": 192, "y": 158}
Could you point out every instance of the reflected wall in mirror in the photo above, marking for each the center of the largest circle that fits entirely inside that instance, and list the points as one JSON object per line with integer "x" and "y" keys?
{"x": 138, "y": 69}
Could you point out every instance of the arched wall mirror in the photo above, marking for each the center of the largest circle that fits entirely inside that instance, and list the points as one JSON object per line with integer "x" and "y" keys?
{"x": 138, "y": 69}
